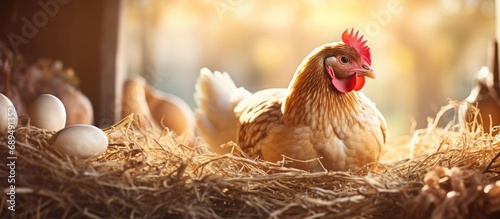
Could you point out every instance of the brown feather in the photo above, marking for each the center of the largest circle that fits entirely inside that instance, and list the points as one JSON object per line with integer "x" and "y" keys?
{"x": 312, "y": 120}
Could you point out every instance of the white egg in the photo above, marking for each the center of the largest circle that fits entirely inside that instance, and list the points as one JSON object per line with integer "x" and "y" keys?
{"x": 47, "y": 112}
{"x": 81, "y": 140}
{"x": 8, "y": 115}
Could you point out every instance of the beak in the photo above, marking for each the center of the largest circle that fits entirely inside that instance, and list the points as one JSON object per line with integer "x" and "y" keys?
{"x": 366, "y": 71}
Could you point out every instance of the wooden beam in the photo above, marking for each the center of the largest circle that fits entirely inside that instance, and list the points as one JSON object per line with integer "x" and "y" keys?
{"x": 112, "y": 63}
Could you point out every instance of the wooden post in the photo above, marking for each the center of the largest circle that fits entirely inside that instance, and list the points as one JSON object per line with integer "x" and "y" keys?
{"x": 494, "y": 59}
{"x": 112, "y": 63}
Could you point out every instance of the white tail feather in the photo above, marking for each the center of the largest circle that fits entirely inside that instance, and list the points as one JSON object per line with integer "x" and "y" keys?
{"x": 216, "y": 96}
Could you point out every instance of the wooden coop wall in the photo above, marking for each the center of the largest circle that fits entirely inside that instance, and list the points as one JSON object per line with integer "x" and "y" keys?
{"x": 84, "y": 35}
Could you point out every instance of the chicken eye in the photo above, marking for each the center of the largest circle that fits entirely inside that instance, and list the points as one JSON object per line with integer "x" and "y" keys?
{"x": 344, "y": 59}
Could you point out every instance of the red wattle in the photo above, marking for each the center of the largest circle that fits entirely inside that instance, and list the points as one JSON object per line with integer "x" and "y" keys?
{"x": 361, "y": 82}
{"x": 346, "y": 85}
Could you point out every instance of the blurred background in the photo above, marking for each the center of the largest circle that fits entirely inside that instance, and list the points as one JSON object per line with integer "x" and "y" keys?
{"x": 424, "y": 52}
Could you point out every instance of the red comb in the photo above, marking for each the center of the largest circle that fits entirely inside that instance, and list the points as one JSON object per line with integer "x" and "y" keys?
{"x": 358, "y": 44}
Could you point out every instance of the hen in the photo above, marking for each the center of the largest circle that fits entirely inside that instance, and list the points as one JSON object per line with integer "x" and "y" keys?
{"x": 320, "y": 122}
{"x": 154, "y": 108}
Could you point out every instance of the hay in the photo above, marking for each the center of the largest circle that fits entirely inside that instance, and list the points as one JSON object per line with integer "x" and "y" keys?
{"x": 438, "y": 172}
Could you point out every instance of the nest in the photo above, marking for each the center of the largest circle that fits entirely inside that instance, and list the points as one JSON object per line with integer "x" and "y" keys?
{"x": 449, "y": 172}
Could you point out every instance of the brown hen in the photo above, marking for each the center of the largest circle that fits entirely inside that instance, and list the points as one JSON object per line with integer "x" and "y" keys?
{"x": 319, "y": 123}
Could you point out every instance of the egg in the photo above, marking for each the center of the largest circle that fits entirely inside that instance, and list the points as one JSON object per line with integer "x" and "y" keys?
{"x": 47, "y": 112}
{"x": 8, "y": 115}
{"x": 81, "y": 140}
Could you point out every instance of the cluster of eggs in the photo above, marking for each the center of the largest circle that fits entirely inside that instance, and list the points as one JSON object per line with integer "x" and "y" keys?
{"x": 48, "y": 112}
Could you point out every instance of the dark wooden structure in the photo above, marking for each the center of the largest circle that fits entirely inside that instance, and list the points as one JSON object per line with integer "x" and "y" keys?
{"x": 486, "y": 92}
{"x": 84, "y": 35}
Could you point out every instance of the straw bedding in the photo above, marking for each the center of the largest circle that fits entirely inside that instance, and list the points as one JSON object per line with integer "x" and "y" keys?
{"x": 449, "y": 172}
